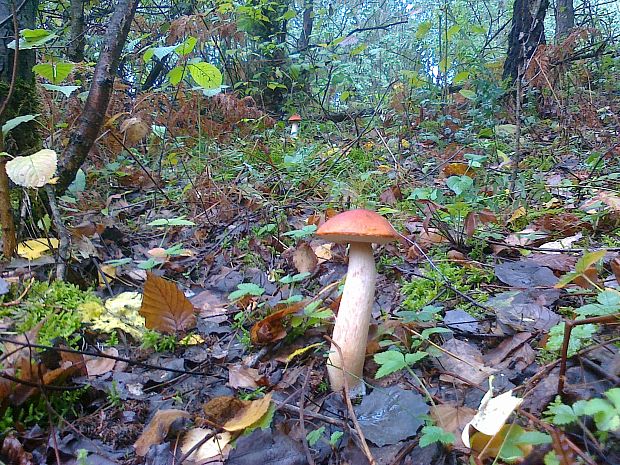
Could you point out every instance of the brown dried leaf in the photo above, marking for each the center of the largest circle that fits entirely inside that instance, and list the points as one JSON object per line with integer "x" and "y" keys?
{"x": 453, "y": 419}
{"x": 304, "y": 258}
{"x": 134, "y": 129}
{"x": 240, "y": 376}
{"x": 470, "y": 224}
{"x": 157, "y": 429}
{"x": 164, "y": 306}
{"x": 99, "y": 365}
{"x": 615, "y": 267}
{"x": 391, "y": 195}
{"x": 14, "y": 452}
{"x": 271, "y": 328}
{"x": 458, "y": 169}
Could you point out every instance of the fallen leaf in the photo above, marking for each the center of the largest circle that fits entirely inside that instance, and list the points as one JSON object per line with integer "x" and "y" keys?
{"x": 157, "y": 429}
{"x": 164, "y": 306}
{"x": 525, "y": 274}
{"x": 323, "y": 252}
{"x": 468, "y": 365}
{"x": 458, "y": 169}
{"x": 267, "y": 448}
{"x": 35, "y": 248}
{"x": 453, "y": 419}
{"x": 615, "y": 267}
{"x": 120, "y": 312}
{"x": 304, "y": 258}
{"x": 213, "y": 447}
{"x": 391, "y": 415}
{"x": 242, "y": 377}
{"x": 555, "y": 261}
{"x": 250, "y": 413}
{"x": 13, "y": 451}
{"x": 96, "y": 366}
{"x": 271, "y": 328}
{"x": 518, "y": 213}
{"x": 492, "y": 414}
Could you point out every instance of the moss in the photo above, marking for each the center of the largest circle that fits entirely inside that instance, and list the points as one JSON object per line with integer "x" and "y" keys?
{"x": 56, "y": 305}
{"x": 25, "y": 138}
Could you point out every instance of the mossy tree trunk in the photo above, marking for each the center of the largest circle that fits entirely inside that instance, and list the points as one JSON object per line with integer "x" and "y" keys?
{"x": 18, "y": 97}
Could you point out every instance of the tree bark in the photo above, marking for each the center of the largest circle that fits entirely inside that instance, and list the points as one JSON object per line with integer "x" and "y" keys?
{"x": 17, "y": 97}
{"x": 564, "y": 18}
{"x": 75, "y": 50}
{"x": 91, "y": 120}
{"x": 307, "y": 25}
{"x": 528, "y": 31}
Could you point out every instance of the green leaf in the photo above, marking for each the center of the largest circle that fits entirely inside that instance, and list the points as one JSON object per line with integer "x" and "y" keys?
{"x": 428, "y": 332}
{"x": 206, "y": 75}
{"x": 432, "y": 434}
{"x": 551, "y": 459}
{"x": 176, "y": 75}
{"x": 357, "y": 50}
{"x": 459, "y": 184}
{"x": 460, "y": 77}
{"x": 533, "y": 438}
{"x": 588, "y": 260}
{"x": 65, "y": 90}
{"x": 290, "y": 14}
{"x": 561, "y": 414}
{"x": 313, "y": 436}
{"x": 423, "y": 30}
{"x": 14, "y": 122}
{"x": 335, "y": 437}
{"x": 614, "y": 396}
{"x": 186, "y": 47}
{"x": 415, "y": 357}
{"x": 288, "y": 279}
{"x": 244, "y": 289}
{"x": 452, "y": 30}
{"x": 468, "y": 94}
{"x": 609, "y": 297}
{"x": 389, "y": 362}
{"x": 306, "y": 231}
{"x": 180, "y": 221}
{"x": 477, "y": 29}
{"x": 53, "y": 72}
{"x": 32, "y": 38}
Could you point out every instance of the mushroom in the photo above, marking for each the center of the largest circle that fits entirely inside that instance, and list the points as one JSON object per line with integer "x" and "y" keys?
{"x": 360, "y": 229}
{"x": 294, "y": 120}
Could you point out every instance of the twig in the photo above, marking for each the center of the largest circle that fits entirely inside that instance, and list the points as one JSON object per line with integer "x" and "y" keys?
{"x": 352, "y": 415}
{"x": 21, "y": 296}
{"x": 568, "y": 328}
{"x": 63, "y": 234}
{"x": 100, "y": 355}
{"x": 302, "y": 423}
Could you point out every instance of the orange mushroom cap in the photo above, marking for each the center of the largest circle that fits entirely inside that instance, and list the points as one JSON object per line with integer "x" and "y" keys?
{"x": 358, "y": 226}
{"x": 295, "y": 118}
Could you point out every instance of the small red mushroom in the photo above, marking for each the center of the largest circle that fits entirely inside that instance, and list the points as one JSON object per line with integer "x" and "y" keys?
{"x": 294, "y": 120}
{"x": 360, "y": 229}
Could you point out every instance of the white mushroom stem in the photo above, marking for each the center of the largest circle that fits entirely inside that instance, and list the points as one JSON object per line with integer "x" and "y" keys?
{"x": 294, "y": 130}
{"x": 351, "y": 329}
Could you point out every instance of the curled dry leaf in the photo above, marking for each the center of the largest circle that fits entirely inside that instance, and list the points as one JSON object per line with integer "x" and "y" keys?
{"x": 240, "y": 376}
{"x": 233, "y": 414}
{"x": 134, "y": 129}
{"x": 157, "y": 429}
{"x": 271, "y": 328}
{"x": 164, "y": 306}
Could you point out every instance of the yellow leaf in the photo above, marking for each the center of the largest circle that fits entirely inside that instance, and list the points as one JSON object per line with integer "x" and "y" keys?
{"x": 249, "y": 415}
{"x": 302, "y": 351}
{"x": 518, "y": 213}
{"x": 192, "y": 340}
{"x": 110, "y": 274}
{"x": 35, "y": 248}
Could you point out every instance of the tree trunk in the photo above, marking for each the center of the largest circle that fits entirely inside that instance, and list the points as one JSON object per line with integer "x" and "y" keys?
{"x": 75, "y": 50}
{"x": 564, "y": 18}
{"x": 307, "y": 26}
{"x": 90, "y": 121}
{"x": 528, "y": 31}
{"x": 18, "y": 97}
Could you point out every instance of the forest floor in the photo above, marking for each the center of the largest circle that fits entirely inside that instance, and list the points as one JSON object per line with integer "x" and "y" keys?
{"x": 494, "y": 259}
